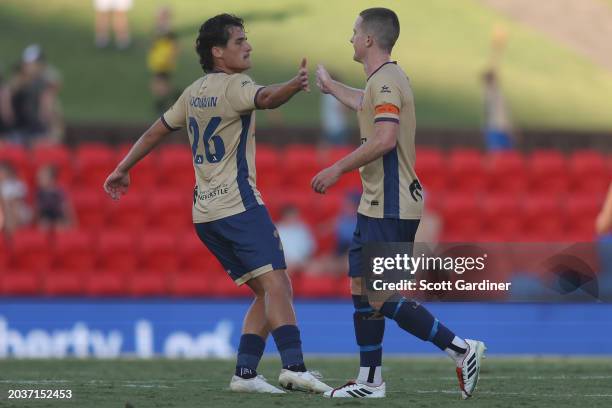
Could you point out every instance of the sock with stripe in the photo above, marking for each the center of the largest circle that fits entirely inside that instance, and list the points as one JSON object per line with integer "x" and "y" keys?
{"x": 250, "y": 350}
{"x": 369, "y": 330}
{"x": 416, "y": 320}
{"x": 289, "y": 346}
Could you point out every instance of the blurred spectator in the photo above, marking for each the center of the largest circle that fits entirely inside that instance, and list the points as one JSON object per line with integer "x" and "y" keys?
{"x": 334, "y": 120}
{"x": 298, "y": 242}
{"x": 34, "y": 91}
{"x": 336, "y": 263}
{"x": 346, "y": 222}
{"x": 161, "y": 60}
{"x": 117, "y": 11}
{"x": 13, "y": 193}
{"x": 498, "y": 127}
{"x": 603, "y": 224}
{"x": 7, "y": 116}
{"x": 53, "y": 209}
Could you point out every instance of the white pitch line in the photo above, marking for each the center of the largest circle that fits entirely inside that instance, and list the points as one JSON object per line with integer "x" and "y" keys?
{"x": 513, "y": 394}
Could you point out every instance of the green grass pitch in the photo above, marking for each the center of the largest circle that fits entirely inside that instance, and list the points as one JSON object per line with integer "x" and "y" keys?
{"x": 411, "y": 382}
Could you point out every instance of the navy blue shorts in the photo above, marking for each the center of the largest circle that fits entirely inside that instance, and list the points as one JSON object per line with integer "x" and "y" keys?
{"x": 370, "y": 229}
{"x": 246, "y": 244}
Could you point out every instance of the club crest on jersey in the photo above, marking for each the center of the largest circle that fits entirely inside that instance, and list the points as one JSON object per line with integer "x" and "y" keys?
{"x": 385, "y": 89}
{"x": 416, "y": 191}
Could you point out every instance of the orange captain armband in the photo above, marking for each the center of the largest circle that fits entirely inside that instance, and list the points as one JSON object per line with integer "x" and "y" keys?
{"x": 387, "y": 108}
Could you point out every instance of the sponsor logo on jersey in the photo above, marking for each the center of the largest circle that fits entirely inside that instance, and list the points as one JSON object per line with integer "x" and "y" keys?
{"x": 245, "y": 83}
{"x": 212, "y": 193}
{"x": 203, "y": 101}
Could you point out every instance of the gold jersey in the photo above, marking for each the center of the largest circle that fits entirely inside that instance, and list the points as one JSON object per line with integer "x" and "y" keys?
{"x": 391, "y": 188}
{"x": 218, "y": 111}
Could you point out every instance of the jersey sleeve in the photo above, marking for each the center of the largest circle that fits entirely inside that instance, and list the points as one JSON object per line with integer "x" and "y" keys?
{"x": 386, "y": 98}
{"x": 175, "y": 117}
{"x": 241, "y": 93}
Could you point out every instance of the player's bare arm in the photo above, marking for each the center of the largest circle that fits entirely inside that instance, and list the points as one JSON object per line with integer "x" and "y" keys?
{"x": 603, "y": 223}
{"x": 350, "y": 97}
{"x": 273, "y": 96}
{"x": 385, "y": 140}
{"x": 118, "y": 181}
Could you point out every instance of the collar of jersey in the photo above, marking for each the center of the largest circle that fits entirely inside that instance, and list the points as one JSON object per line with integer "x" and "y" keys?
{"x": 378, "y": 69}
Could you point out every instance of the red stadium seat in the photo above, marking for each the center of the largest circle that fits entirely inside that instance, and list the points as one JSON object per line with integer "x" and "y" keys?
{"x": 465, "y": 171}
{"x": 462, "y": 219}
{"x": 503, "y": 221}
{"x": 73, "y": 251}
{"x": 57, "y": 156}
{"x": 21, "y": 283}
{"x": 117, "y": 250}
{"x": 190, "y": 283}
{"x": 301, "y": 164}
{"x": 543, "y": 219}
{"x": 129, "y": 212}
{"x": 30, "y": 250}
{"x": 63, "y": 283}
{"x": 158, "y": 252}
{"x": 193, "y": 254}
{"x": 548, "y": 172}
{"x": 18, "y": 158}
{"x": 306, "y": 286}
{"x": 328, "y": 207}
{"x": 91, "y": 207}
{"x": 431, "y": 169}
{"x": 507, "y": 173}
{"x": 170, "y": 209}
{"x": 175, "y": 167}
{"x": 143, "y": 283}
{"x": 143, "y": 176}
{"x": 589, "y": 173}
{"x": 268, "y": 162}
{"x": 106, "y": 283}
{"x": 4, "y": 254}
{"x": 94, "y": 162}
{"x": 581, "y": 211}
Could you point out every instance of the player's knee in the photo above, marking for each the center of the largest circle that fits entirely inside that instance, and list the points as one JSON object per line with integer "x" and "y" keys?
{"x": 276, "y": 283}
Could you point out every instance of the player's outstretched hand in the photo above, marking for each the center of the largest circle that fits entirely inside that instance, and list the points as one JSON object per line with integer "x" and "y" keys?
{"x": 302, "y": 76}
{"x": 117, "y": 184}
{"x": 323, "y": 79}
{"x": 325, "y": 179}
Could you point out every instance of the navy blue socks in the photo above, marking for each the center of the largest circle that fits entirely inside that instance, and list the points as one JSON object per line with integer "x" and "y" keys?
{"x": 250, "y": 350}
{"x": 415, "y": 319}
{"x": 289, "y": 346}
{"x": 369, "y": 330}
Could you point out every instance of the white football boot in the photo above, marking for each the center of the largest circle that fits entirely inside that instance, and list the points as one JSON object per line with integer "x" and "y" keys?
{"x": 255, "y": 384}
{"x": 302, "y": 381}
{"x": 353, "y": 389}
{"x": 470, "y": 367}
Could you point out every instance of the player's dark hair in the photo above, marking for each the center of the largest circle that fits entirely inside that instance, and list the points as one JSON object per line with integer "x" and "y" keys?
{"x": 215, "y": 32}
{"x": 383, "y": 24}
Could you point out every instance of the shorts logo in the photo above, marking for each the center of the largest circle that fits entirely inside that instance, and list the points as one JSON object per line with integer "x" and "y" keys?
{"x": 415, "y": 191}
{"x": 385, "y": 89}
